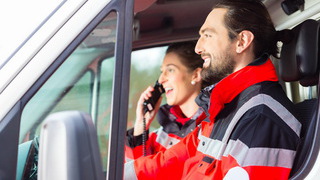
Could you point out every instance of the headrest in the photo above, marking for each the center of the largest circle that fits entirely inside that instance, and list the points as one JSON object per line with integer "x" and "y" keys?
{"x": 299, "y": 59}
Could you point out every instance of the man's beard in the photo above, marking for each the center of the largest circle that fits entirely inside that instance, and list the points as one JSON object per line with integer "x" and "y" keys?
{"x": 223, "y": 66}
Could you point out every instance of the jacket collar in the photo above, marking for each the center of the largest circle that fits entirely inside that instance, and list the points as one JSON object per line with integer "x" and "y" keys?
{"x": 173, "y": 114}
{"x": 203, "y": 99}
{"x": 228, "y": 88}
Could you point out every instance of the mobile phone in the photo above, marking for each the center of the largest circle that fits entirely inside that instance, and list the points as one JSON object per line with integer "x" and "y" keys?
{"x": 156, "y": 94}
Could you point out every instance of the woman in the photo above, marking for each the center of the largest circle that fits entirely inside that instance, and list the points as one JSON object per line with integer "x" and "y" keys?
{"x": 181, "y": 79}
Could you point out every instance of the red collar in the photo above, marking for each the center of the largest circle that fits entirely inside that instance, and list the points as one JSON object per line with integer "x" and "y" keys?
{"x": 181, "y": 118}
{"x": 228, "y": 88}
{"x": 177, "y": 112}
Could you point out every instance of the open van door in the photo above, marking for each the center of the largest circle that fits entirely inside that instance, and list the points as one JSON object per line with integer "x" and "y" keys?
{"x": 58, "y": 56}
{"x": 75, "y": 56}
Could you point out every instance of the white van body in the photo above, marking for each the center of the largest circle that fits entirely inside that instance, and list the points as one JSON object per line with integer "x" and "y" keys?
{"x": 38, "y": 36}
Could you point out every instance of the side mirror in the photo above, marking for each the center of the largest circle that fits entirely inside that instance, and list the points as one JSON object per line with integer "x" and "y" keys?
{"x": 68, "y": 148}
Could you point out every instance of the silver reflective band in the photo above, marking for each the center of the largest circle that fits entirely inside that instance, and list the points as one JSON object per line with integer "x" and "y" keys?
{"x": 246, "y": 156}
{"x": 164, "y": 139}
{"x": 129, "y": 172}
{"x": 217, "y": 149}
{"x": 274, "y": 105}
{"x": 211, "y": 147}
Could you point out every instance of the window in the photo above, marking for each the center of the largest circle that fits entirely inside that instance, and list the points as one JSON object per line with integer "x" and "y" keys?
{"x": 145, "y": 70}
{"x": 83, "y": 83}
{"x": 104, "y": 107}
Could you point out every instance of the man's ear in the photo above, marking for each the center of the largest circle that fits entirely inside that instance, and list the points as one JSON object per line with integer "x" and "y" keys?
{"x": 245, "y": 39}
{"x": 197, "y": 75}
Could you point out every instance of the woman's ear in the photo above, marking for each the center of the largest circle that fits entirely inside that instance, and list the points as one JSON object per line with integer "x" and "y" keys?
{"x": 245, "y": 39}
{"x": 197, "y": 75}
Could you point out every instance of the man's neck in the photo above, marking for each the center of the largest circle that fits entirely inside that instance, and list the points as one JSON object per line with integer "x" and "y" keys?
{"x": 243, "y": 59}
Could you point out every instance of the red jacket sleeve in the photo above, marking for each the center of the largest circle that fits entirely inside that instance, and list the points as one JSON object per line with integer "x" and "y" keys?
{"x": 158, "y": 165}
{"x": 134, "y": 147}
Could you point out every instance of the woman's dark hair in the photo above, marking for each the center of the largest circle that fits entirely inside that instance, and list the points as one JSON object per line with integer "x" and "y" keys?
{"x": 188, "y": 57}
{"x": 253, "y": 16}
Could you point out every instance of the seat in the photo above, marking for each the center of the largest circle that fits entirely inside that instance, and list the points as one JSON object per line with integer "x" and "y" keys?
{"x": 299, "y": 61}
{"x": 27, "y": 160}
{"x": 68, "y": 148}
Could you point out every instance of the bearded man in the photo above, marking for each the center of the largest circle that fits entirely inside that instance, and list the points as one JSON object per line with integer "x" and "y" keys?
{"x": 252, "y": 131}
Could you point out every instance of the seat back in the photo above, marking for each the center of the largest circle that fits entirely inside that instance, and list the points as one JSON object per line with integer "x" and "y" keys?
{"x": 68, "y": 148}
{"x": 300, "y": 56}
{"x": 299, "y": 61}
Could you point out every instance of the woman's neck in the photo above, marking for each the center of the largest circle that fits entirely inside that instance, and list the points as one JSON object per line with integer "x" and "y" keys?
{"x": 190, "y": 107}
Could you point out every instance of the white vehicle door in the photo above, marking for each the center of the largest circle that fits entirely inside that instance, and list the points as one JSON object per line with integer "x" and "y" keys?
{"x": 59, "y": 56}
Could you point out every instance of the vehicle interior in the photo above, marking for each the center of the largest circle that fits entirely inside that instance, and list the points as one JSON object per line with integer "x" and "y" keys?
{"x": 81, "y": 88}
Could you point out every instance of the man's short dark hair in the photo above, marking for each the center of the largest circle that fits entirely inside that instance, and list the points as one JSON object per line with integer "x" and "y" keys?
{"x": 253, "y": 16}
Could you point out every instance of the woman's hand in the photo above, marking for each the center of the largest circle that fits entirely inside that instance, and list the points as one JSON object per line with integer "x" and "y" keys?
{"x": 149, "y": 116}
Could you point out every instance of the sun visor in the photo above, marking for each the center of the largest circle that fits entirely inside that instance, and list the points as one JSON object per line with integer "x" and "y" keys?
{"x": 140, "y": 5}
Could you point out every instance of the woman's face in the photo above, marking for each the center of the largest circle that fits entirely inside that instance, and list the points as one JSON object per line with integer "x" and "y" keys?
{"x": 176, "y": 80}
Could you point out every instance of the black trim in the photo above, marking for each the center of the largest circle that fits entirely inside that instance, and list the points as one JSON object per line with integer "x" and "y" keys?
{"x": 203, "y": 98}
{"x": 171, "y": 126}
{"x": 9, "y": 138}
{"x": 207, "y": 159}
{"x": 134, "y": 141}
{"x": 272, "y": 130}
{"x": 311, "y": 156}
{"x": 120, "y": 88}
{"x": 252, "y": 117}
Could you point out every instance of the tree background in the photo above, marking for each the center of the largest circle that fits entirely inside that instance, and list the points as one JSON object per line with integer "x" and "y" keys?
{"x": 145, "y": 70}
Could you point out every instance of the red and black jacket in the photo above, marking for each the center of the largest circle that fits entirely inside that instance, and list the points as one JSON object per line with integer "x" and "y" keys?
{"x": 253, "y": 133}
{"x": 173, "y": 127}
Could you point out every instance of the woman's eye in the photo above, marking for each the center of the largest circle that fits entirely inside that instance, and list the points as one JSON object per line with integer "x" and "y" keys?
{"x": 170, "y": 70}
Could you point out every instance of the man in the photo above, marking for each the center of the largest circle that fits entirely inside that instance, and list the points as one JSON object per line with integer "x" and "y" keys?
{"x": 252, "y": 132}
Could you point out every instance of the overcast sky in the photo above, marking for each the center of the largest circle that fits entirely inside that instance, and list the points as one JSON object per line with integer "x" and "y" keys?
{"x": 148, "y": 59}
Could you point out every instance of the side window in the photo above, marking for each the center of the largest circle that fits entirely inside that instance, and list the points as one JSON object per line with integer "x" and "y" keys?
{"x": 53, "y": 98}
{"x": 104, "y": 107}
{"x": 79, "y": 96}
{"x": 84, "y": 82}
{"x": 145, "y": 70}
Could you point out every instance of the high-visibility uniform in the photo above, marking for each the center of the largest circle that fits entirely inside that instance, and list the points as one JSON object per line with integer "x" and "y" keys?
{"x": 252, "y": 134}
{"x": 173, "y": 127}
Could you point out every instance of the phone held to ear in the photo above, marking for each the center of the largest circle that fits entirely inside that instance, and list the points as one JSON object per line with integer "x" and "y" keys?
{"x": 148, "y": 105}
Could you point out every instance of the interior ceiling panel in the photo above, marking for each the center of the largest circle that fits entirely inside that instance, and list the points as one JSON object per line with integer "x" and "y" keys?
{"x": 159, "y": 22}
